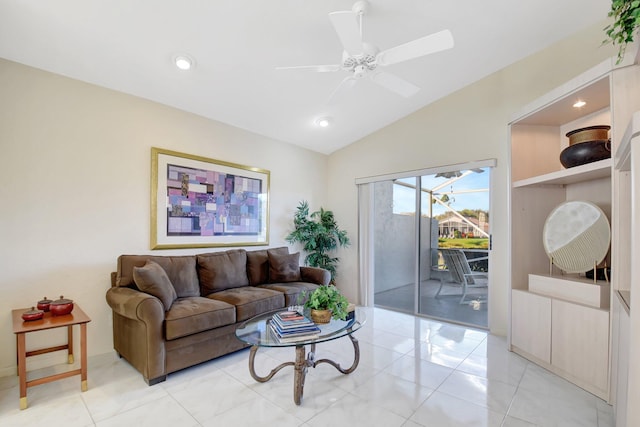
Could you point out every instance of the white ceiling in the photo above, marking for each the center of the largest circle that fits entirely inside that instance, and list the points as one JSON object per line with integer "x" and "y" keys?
{"x": 128, "y": 45}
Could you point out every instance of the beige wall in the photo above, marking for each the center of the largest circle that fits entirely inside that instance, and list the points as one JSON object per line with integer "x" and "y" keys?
{"x": 75, "y": 174}
{"x": 468, "y": 125}
{"x": 75, "y": 167}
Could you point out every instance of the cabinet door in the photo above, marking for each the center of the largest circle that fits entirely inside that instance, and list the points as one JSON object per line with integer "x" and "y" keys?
{"x": 531, "y": 324}
{"x": 580, "y": 344}
{"x": 620, "y": 365}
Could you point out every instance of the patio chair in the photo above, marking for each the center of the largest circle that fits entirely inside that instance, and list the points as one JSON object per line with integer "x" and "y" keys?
{"x": 457, "y": 264}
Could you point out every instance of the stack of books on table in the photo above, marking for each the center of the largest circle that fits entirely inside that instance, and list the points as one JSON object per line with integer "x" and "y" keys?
{"x": 291, "y": 326}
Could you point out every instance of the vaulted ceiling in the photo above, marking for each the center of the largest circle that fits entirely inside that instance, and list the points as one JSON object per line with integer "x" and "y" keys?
{"x": 236, "y": 45}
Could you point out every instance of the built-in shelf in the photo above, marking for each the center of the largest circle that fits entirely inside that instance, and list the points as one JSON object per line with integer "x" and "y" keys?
{"x": 555, "y": 108}
{"x": 559, "y": 321}
{"x": 572, "y": 288}
{"x": 590, "y": 171}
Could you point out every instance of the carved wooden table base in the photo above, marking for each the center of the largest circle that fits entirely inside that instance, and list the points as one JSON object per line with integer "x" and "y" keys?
{"x": 301, "y": 364}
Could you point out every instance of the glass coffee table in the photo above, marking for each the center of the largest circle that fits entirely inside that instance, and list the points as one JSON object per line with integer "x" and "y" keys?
{"x": 256, "y": 332}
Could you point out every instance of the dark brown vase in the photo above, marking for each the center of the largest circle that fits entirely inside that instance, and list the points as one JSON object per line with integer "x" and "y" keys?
{"x": 586, "y": 145}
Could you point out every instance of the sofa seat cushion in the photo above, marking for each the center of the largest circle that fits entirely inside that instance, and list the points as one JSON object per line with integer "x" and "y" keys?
{"x": 258, "y": 264}
{"x": 291, "y": 291}
{"x": 250, "y": 301}
{"x": 222, "y": 270}
{"x": 191, "y": 315}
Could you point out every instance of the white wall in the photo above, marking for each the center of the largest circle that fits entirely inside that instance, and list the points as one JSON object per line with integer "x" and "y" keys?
{"x": 75, "y": 174}
{"x": 468, "y": 125}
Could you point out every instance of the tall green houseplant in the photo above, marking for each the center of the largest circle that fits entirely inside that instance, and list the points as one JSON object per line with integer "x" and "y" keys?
{"x": 319, "y": 234}
{"x": 626, "y": 21}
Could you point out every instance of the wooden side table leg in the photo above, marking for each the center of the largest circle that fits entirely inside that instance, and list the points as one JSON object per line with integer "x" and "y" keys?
{"x": 83, "y": 356}
{"x": 70, "y": 344}
{"x": 22, "y": 369}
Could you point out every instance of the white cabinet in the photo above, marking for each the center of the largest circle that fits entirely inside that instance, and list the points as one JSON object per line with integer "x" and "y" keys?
{"x": 620, "y": 361}
{"x": 580, "y": 345}
{"x": 578, "y": 335}
{"x": 531, "y": 328}
{"x": 568, "y": 338}
{"x": 558, "y": 321}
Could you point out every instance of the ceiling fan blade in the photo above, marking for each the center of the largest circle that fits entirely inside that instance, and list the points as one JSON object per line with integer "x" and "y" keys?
{"x": 433, "y": 43}
{"x": 346, "y": 25}
{"x": 316, "y": 68}
{"x": 395, "y": 84}
{"x": 344, "y": 86}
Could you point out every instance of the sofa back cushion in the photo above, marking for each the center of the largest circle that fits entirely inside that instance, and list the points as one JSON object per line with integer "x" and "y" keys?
{"x": 258, "y": 264}
{"x": 284, "y": 268}
{"x": 180, "y": 269}
{"x": 152, "y": 279}
{"x": 218, "y": 271}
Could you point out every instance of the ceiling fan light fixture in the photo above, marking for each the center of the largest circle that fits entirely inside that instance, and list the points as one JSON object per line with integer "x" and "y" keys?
{"x": 323, "y": 122}
{"x": 183, "y": 62}
{"x": 361, "y": 59}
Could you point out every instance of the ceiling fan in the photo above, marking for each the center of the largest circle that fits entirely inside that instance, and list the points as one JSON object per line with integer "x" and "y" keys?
{"x": 362, "y": 59}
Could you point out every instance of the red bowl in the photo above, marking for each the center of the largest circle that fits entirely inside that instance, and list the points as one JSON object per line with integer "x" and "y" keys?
{"x": 32, "y": 314}
{"x": 44, "y": 304}
{"x": 61, "y": 306}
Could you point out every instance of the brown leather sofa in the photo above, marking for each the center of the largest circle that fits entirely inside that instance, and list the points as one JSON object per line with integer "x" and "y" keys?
{"x": 172, "y": 312}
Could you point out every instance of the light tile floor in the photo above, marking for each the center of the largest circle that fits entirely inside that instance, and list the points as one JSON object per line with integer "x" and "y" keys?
{"x": 413, "y": 372}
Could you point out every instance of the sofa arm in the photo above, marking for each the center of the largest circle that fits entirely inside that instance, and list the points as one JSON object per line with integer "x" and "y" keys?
{"x": 138, "y": 320}
{"x": 128, "y": 303}
{"x": 316, "y": 275}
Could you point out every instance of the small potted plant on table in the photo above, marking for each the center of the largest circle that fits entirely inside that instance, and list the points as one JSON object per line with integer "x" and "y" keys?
{"x": 326, "y": 302}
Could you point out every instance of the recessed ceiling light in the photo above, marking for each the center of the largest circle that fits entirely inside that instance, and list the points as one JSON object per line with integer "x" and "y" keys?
{"x": 579, "y": 104}
{"x": 323, "y": 122}
{"x": 183, "y": 62}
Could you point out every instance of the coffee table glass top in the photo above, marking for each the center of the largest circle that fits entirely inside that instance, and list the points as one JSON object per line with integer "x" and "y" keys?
{"x": 255, "y": 331}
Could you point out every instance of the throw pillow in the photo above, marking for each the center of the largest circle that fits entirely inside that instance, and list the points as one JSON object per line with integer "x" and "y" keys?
{"x": 153, "y": 280}
{"x": 258, "y": 264}
{"x": 222, "y": 270}
{"x": 284, "y": 268}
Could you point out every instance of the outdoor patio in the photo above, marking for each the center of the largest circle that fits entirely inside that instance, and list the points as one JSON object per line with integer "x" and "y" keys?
{"x": 446, "y": 306}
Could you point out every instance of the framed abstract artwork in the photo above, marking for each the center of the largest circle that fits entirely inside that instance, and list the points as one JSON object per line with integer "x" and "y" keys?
{"x": 197, "y": 202}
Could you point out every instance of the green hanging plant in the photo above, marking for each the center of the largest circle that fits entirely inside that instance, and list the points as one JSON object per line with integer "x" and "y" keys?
{"x": 319, "y": 234}
{"x": 626, "y": 21}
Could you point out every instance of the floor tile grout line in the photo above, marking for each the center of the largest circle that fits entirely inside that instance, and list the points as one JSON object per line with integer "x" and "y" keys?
{"x": 182, "y": 406}
{"x": 513, "y": 398}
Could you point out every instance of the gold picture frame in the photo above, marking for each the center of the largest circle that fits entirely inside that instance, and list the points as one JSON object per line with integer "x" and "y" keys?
{"x": 198, "y": 202}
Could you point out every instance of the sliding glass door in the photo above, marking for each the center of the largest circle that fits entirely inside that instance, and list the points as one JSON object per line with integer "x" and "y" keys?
{"x": 394, "y": 244}
{"x": 430, "y": 236}
{"x": 454, "y": 280}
